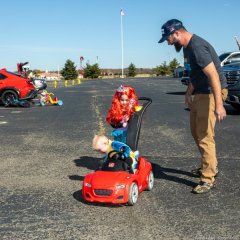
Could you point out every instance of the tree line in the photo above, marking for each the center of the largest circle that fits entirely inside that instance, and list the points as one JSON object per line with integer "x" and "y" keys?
{"x": 70, "y": 71}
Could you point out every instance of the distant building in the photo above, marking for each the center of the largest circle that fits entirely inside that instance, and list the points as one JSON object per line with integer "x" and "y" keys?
{"x": 80, "y": 75}
{"x": 50, "y": 76}
{"x": 140, "y": 72}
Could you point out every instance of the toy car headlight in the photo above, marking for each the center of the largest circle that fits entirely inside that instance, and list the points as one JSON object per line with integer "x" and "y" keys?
{"x": 87, "y": 184}
{"x": 120, "y": 186}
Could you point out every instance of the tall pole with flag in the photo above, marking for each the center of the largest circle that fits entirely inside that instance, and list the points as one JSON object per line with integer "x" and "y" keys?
{"x": 122, "y": 14}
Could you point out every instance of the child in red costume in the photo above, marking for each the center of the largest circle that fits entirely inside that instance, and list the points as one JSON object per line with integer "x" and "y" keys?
{"x": 124, "y": 105}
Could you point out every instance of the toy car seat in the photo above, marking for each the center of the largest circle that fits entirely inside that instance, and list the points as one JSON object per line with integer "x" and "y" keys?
{"x": 116, "y": 161}
{"x": 134, "y": 125}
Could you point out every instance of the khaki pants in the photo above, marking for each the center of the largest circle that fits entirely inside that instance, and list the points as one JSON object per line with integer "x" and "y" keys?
{"x": 202, "y": 123}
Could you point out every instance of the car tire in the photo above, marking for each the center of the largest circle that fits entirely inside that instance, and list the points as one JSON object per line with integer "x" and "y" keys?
{"x": 236, "y": 106}
{"x": 150, "y": 181}
{"x": 133, "y": 194}
{"x": 7, "y": 96}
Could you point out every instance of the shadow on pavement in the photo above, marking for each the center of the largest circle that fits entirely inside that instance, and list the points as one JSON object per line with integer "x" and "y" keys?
{"x": 231, "y": 111}
{"x": 76, "y": 177}
{"x": 78, "y": 196}
{"x": 159, "y": 172}
{"x": 176, "y": 93}
{"x": 91, "y": 163}
{"x": 163, "y": 173}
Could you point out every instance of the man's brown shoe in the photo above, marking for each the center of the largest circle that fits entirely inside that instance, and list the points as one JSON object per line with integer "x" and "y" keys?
{"x": 203, "y": 187}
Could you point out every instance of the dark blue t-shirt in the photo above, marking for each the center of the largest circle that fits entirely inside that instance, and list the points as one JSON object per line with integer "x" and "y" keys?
{"x": 199, "y": 54}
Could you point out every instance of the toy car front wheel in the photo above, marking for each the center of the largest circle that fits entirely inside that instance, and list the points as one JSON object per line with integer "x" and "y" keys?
{"x": 133, "y": 194}
{"x": 8, "y": 96}
{"x": 150, "y": 181}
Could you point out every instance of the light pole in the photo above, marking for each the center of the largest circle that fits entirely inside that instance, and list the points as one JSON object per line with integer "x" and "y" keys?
{"x": 122, "y": 14}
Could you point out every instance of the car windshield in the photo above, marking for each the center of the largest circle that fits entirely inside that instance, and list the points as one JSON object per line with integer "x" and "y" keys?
{"x": 223, "y": 56}
{"x": 16, "y": 74}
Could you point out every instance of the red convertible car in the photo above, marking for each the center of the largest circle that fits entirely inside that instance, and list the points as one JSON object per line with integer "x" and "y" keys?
{"x": 113, "y": 182}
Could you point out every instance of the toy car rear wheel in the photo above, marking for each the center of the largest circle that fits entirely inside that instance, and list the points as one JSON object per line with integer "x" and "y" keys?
{"x": 133, "y": 194}
{"x": 150, "y": 181}
{"x": 7, "y": 96}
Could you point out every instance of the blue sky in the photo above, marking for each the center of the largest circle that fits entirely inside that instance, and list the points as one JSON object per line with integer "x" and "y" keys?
{"x": 48, "y": 32}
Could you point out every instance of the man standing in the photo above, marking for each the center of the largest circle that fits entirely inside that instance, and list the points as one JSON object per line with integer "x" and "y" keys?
{"x": 209, "y": 86}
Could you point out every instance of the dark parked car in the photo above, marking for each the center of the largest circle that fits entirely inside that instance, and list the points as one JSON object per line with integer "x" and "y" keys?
{"x": 229, "y": 58}
{"x": 232, "y": 73}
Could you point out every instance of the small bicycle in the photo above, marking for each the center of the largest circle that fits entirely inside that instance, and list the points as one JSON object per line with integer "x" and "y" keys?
{"x": 49, "y": 98}
{"x": 11, "y": 101}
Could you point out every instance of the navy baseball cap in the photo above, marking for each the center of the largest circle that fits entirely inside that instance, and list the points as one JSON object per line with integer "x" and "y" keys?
{"x": 170, "y": 27}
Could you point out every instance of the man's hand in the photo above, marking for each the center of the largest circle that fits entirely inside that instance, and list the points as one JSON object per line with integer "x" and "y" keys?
{"x": 214, "y": 81}
{"x": 220, "y": 113}
{"x": 188, "y": 100}
{"x": 188, "y": 95}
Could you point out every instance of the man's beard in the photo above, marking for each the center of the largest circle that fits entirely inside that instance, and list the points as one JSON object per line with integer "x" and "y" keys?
{"x": 177, "y": 46}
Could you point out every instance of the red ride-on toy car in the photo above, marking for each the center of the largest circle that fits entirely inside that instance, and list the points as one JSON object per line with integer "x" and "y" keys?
{"x": 110, "y": 186}
{"x": 113, "y": 182}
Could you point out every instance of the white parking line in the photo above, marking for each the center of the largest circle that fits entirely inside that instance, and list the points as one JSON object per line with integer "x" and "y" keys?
{"x": 16, "y": 111}
{"x": 2, "y": 122}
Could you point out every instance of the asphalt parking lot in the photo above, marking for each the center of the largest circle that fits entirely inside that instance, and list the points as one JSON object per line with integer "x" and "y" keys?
{"x": 46, "y": 152}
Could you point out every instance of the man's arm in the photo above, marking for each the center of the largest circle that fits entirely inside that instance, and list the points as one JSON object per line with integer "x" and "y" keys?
{"x": 214, "y": 81}
{"x": 188, "y": 95}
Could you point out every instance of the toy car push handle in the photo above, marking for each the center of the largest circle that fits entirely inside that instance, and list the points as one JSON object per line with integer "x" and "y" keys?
{"x": 146, "y": 99}
{"x": 135, "y": 122}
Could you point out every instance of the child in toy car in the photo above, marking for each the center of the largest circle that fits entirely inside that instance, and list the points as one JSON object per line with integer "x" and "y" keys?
{"x": 116, "y": 150}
